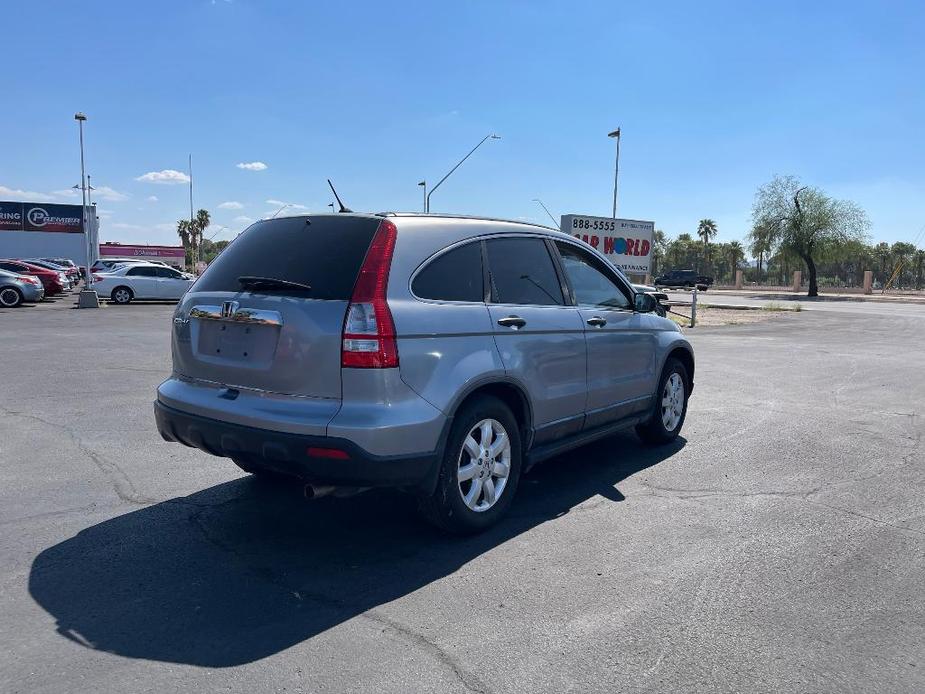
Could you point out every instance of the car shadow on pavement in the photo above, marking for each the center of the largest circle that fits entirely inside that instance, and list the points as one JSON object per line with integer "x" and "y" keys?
{"x": 246, "y": 569}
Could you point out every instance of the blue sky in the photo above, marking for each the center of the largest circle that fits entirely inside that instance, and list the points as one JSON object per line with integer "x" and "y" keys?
{"x": 713, "y": 98}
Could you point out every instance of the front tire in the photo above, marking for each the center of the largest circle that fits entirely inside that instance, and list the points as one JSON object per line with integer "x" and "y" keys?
{"x": 10, "y": 297}
{"x": 670, "y": 407}
{"x": 122, "y": 295}
{"x": 479, "y": 470}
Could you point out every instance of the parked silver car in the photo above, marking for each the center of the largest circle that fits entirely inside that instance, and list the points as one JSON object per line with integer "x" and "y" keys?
{"x": 15, "y": 289}
{"x": 445, "y": 355}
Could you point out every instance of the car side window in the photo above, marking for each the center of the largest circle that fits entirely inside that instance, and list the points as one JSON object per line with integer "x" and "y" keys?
{"x": 452, "y": 276}
{"x": 591, "y": 283}
{"x": 141, "y": 272}
{"x": 167, "y": 273}
{"x": 522, "y": 272}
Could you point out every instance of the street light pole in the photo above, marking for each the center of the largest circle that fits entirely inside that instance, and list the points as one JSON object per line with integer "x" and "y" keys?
{"x": 288, "y": 204}
{"x": 547, "y": 211}
{"x": 491, "y": 136}
{"x": 88, "y": 297}
{"x": 616, "y": 170}
{"x": 424, "y": 184}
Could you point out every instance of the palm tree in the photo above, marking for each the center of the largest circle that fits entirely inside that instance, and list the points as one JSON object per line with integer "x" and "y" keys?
{"x": 706, "y": 230}
{"x": 735, "y": 251}
{"x": 200, "y": 223}
{"x": 183, "y": 231}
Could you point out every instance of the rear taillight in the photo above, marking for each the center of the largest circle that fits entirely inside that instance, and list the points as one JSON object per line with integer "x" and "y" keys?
{"x": 31, "y": 280}
{"x": 331, "y": 453}
{"x": 369, "y": 333}
{"x": 97, "y": 278}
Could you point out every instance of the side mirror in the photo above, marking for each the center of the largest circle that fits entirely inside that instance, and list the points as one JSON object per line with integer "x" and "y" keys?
{"x": 645, "y": 303}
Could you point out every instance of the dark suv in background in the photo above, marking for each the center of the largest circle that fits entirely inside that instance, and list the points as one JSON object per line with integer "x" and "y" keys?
{"x": 687, "y": 279}
{"x": 443, "y": 355}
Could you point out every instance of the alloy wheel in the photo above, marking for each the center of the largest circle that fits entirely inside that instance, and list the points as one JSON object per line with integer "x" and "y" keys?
{"x": 8, "y": 297}
{"x": 672, "y": 401}
{"x": 484, "y": 465}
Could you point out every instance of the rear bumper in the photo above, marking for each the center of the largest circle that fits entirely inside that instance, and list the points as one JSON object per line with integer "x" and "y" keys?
{"x": 288, "y": 453}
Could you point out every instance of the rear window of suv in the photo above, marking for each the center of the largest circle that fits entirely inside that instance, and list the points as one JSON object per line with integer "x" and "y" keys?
{"x": 324, "y": 252}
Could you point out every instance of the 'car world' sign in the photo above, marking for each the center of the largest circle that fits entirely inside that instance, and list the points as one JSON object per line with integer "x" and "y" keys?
{"x": 627, "y": 243}
{"x": 40, "y": 216}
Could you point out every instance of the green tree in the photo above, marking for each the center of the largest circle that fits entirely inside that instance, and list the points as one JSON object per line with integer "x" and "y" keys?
{"x": 901, "y": 254}
{"x": 919, "y": 261}
{"x": 759, "y": 245}
{"x": 190, "y": 233}
{"x": 803, "y": 219}
{"x": 706, "y": 230}
{"x": 660, "y": 244}
{"x": 735, "y": 253}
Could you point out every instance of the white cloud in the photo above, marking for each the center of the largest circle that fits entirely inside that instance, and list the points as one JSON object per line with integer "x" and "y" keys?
{"x": 152, "y": 198}
{"x": 243, "y": 219}
{"x": 28, "y": 195}
{"x": 167, "y": 176}
{"x": 252, "y": 166}
{"x": 288, "y": 205}
{"x": 127, "y": 227}
{"x": 66, "y": 193}
{"x": 166, "y": 226}
{"x": 231, "y": 205}
{"x": 108, "y": 194}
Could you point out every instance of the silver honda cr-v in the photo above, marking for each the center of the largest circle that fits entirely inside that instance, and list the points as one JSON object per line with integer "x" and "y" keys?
{"x": 443, "y": 355}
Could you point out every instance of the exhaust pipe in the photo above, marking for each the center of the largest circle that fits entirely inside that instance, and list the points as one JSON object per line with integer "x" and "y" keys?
{"x": 316, "y": 491}
{"x": 313, "y": 491}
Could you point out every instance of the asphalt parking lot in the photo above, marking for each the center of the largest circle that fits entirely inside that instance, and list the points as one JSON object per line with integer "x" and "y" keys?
{"x": 779, "y": 545}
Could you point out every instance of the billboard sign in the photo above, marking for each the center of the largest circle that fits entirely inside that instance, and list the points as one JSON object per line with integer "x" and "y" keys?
{"x": 120, "y": 250}
{"x": 40, "y": 216}
{"x": 627, "y": 243}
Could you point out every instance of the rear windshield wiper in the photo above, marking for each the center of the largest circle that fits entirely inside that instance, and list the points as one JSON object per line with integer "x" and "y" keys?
{"x": 249, "y": 281}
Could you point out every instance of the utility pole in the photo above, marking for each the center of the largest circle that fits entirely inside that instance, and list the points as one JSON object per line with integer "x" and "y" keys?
{"x": 88, "y": 297}
{"x": 192, "y": 227}
{"x": 616, "y": 170}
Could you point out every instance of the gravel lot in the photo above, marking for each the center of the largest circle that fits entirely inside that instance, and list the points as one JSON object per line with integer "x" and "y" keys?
{"x": 778, "y": 546}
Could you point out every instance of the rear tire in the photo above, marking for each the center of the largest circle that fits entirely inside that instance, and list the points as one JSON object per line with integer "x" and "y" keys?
{"x": 670, "y": 407}
{"x": 10, "y": 297}
{"x": 122, "y": 295}
{"x": 479, "y": 470}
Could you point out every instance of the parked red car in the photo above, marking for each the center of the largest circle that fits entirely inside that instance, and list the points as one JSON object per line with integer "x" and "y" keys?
{"x": 49, "y": 278}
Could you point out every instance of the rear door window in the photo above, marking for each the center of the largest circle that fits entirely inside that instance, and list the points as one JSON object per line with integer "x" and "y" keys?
{"x": 142, "y": 272}
{"x": 453, "y": 276}
{"x": 323, "y": 252}
{"x": 522, "y": 272}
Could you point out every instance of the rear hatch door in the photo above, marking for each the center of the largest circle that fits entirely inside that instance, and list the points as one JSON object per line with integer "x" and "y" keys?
{"x": 268, "y": 313}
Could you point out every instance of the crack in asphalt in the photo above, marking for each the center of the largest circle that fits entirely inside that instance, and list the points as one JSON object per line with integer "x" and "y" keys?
{"x": 698, "y": 494}
{"x": 469, "y": 681}
{"x": 120, "y": 482}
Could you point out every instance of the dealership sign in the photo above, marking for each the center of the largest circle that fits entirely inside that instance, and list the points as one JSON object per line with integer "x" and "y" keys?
{"x": 36, "y": 216}
{"x": 627, "y": 243}
{"x": 120, "y": 250}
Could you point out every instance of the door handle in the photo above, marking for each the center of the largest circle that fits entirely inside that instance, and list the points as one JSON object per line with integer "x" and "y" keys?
{"x": 597, "y": 322}
{"x": 512, "y": 322}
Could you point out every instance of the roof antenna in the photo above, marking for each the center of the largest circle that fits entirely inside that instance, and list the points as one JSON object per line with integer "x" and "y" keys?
{"x": 337, "y": 197}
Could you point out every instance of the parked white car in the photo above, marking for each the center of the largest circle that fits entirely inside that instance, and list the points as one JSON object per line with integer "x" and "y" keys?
{"x": 142, "y": 281}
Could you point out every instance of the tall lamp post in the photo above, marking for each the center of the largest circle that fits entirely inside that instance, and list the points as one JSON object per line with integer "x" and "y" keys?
{"x": 491, "y": 136}
{"x": 88, "y": 297}
{"x": 547, "y": 210}
{"x": 423, "y": 184}
{"x": 616, "y": 169}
